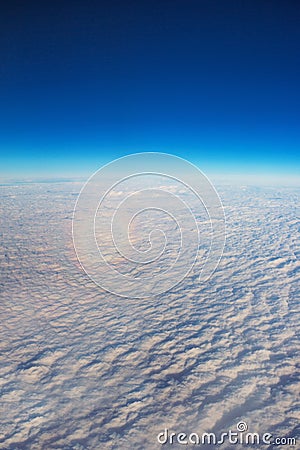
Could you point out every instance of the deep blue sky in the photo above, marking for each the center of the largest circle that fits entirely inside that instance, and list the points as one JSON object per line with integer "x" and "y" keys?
{"x": 83, "y": 82}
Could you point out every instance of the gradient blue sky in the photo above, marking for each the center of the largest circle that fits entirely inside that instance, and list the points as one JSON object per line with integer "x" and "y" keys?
{"x": 213, "y": 81}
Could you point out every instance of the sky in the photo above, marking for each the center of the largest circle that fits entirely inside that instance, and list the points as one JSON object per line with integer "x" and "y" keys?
{"x": 85, "y": 82}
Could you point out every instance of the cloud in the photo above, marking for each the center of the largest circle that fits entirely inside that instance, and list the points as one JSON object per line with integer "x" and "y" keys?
{"x": 84, "y": 369}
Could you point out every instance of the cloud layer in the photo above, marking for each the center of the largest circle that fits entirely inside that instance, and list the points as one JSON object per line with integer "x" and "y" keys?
{"x": 84, "y": 369}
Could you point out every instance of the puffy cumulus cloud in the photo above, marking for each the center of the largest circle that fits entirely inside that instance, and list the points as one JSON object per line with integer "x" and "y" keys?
{"x": 84, "y": 369}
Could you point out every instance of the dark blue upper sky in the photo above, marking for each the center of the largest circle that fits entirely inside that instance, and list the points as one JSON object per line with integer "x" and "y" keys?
{"x": 215, "y": 81}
